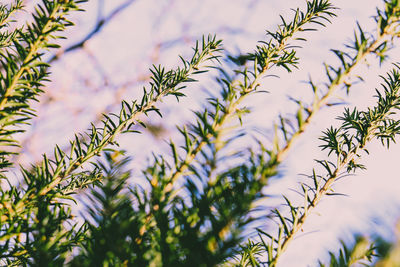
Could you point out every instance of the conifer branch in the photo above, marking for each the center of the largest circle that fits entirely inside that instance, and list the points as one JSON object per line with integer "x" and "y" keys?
{"x": 388, "y": 251}
{"x": 6, "y": 13}
{"x": 388, "y": 23}
{"x": 387, "y": 29}
{"x": 361, "y": 252}
{"x": 209, "y": 129}
{"x": 275, "y": 52}
{"x": 164, "y": 83}
{"x": 347, "y": 142}
{"x": 23, "y": 71}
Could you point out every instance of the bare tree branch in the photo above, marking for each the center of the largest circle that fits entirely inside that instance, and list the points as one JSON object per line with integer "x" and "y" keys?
{"x": 101, "y": 22}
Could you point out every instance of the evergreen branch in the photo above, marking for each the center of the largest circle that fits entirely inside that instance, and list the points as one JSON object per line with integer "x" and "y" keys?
{"x": 41, "y": 221}
{"x": 387, "y": 29}
{"x": 209, "y": 129}
{"x": 6, "y": 13}
{"x": 111, "y": 240}
{"x": 357, "y": 130}
{"x": 388, "y": 251}
{"x": 388, "y": 22}
{"x": 275, "y": 52}
{"x": 205, "y": 220}
{"x": 249, "y": 254}
{"x": 44, "y": 184}
{"x": 24, "y": 71}
{"x": 360, "y": 253}
{"x": 163, "y": 83}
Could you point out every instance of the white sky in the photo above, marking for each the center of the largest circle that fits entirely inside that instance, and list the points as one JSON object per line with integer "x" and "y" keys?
{"x": 125, "y": 50}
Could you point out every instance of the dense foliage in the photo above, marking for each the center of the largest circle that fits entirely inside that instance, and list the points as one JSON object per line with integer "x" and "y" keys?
{"x": 192, "y": 206}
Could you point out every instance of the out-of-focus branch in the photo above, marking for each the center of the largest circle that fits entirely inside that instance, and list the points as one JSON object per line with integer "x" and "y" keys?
{"x": 101, "y": 22}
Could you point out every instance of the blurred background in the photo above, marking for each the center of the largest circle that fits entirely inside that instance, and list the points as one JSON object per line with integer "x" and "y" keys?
{"x": 106, "y": 58}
